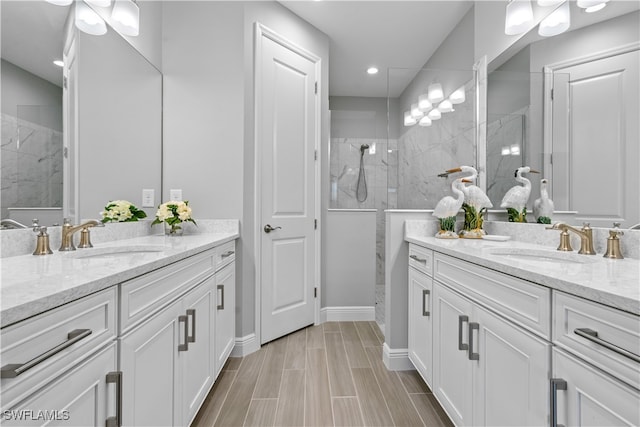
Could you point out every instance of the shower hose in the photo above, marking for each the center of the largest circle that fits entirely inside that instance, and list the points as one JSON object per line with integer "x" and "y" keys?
{"x": 361, "y": 188}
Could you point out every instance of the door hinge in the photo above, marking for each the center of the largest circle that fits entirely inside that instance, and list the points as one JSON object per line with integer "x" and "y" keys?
{"x": 552, "y": 94}
{"x": 315, "y": 224}
{"x": 315, "y": 88}
{"x": 315, "y": 154}
{"x": 551, "y": 158}
{"x": 65, "y": 82}
{"x": 315, "y": 292}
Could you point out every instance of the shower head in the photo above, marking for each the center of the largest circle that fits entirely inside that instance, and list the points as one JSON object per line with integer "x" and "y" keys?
{"x": 363, "y": 147}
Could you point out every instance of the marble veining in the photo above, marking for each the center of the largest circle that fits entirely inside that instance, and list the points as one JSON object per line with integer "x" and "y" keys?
{"x": 611, "y": 282}
{"x": 34, "y": 284}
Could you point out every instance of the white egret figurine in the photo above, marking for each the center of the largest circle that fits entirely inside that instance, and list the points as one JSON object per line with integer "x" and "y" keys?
{"x": 475, "y": 204}
{"x": 517, "y": 197}
{"x": 543, "y": 207}
{"x": 447, "y": 209}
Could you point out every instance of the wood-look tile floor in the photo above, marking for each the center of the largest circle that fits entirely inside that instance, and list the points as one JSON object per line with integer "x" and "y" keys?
{"x": 325, "y": 375}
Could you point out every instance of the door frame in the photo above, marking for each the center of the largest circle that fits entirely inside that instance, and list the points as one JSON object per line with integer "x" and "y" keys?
{"x": 547, "y": 110}
{"x": 260, "y": 32}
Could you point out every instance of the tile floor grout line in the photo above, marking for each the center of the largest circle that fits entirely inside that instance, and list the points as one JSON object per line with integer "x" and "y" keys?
{"x": 244, "y": 420}
{"x": 354, "y": 380}
{"x": 226, "y": 395}
{"x": 375, "y": 376}
{"x": 424, "y": 423}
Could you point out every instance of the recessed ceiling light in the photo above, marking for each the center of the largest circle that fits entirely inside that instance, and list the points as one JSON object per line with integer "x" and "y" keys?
{"x": 372, "y": 70}
{"x": 58, "y": 62}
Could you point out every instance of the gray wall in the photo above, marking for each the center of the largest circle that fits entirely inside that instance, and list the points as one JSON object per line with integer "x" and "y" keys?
{"x": 207, "y": 61}
{"x": 20, "y": 87}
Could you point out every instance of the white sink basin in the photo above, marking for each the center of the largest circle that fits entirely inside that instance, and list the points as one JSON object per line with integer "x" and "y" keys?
{"x": 542, "y": 256}
{"x": 118, "y": 251}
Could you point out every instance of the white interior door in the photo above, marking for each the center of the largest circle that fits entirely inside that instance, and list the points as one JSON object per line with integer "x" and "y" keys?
{"x": 287, "y": 140}
{"x": 595, "y": 140}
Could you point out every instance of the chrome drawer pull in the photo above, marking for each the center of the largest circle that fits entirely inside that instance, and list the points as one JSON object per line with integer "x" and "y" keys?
{"x": 461, "y": 320}
{"x": 221, "y": 305}
{"x": 184, "y": 347}
{"x": 116, "y": 377}
{"x": 473, "y": 326}
{"x": 192, "y": 312}
{"x": 422, "y": 260}
{"x": 592, "y": 336}
{"x": 556, "y": 384}
{"x": 227, "y": 254}
{"x": 425, "y": 312}
{"x": 14, "y": 369}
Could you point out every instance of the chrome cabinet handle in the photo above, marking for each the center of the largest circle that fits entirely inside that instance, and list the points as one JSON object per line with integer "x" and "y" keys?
{"x": 556, "y": 384}
{"x": 228, "y": 253}
{"x": 221, "y": 305}
{"x": 415, "y": 257}
{"x": 425, "y": 292}
{"x": 115, "y": 377}
{"x": 473, "y": 326}
{"x": 268, "y": 228}
{"x": 12, "y": 370}
{"x": 462, "y": 319}
{"x": 184, "y": 318}
{"x": 192, "y": 312}
{"x": 592, "y": 336}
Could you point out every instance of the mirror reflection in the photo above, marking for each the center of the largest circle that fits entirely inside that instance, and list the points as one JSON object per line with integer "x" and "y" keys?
{"x": 577, "y": 121}
{"x": 104, "y": 144}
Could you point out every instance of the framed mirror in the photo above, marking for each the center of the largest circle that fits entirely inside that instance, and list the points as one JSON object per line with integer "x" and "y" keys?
{"x": 535, "y": 93}
{"x": 104, "y": 142}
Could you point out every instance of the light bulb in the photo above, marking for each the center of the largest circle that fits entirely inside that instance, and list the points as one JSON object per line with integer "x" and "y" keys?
{"x": 557, "y": 22}
{"x": 415, "y": 112}
{"x": 372, "y": 70}
{"x": 445, "y": 106}
{"x": 435, "y": 114}
{"x": 408, "y": 119}
{"x": 435, "y": 93}
{"x": 425, "y": 121}
{"x": 458, "y": 96}
{"x": 126, "y": 17}
{"x": 88, "y": 21}
{"x": 519, "y": 17}
{"x": 596, "y": 7}
{"x": 423, "y": 103}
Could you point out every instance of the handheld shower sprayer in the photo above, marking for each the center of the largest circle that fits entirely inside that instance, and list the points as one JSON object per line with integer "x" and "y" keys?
{"x": 361, "y": 188}
{"x": 363, "y": 147}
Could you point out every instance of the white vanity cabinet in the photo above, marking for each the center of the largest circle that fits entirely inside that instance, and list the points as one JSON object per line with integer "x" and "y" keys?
{"x": 420, "y": 312}
{"x": 489, "y": 368}
{"x": 225, "y": 315}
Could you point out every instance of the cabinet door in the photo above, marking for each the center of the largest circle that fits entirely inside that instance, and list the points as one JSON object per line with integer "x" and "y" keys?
{"x": 225, "y": 322}
{"x": 420, "y": 323}
{"x": 197, "y": 363}
{"x": 150, "y": 369}
{"x": 592, "y": 397}
{"x": 510, "y": 374}
{"x": 77, "y": 398}
{"x": 452, "y": 381}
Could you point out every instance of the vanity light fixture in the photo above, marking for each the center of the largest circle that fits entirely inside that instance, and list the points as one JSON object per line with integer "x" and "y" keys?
{"x": 423, "y": 103}
{"x": 505, "y": 151}
{"x": 126, "y": 17}
{"x": 597, "y": 7}
{"x": 99, "y": 3}
{"x": 425, "y": 121}
{"x": 435, "y": 93}
{"x": 519, "y": 17}
{"x": 372, "y": 70}
{"x": 458, "y": 96}
{"x": 60, "y": 2}
{"x": 445, "y": 106}
{"x": 435, "y": 114}
{"x": 408, "y": 119}
{"x": 557, "y": 22}
{"x": 514, "y": 150}
{"x": 58, "y": 63}
{"x": 415, "y": 112}
{"x": 88, "y": 20}
{"x": 584, "y": 4}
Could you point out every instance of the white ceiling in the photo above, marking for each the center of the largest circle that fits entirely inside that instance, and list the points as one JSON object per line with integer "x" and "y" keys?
{"x": 387, "y": 34}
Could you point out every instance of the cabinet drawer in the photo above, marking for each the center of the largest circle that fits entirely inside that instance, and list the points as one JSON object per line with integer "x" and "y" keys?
{"x": 421, "y": 259}
{"x": 62, "y": 333}
{"x": 575, "y": 315}
{"x": 142, "y": 296}
{"x": 525, "y": 303}
{"x": 225, "y": 254}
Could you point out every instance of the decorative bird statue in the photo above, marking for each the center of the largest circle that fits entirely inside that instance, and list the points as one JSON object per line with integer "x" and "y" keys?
{"x": 447, "y": 209}
{"x": 517, "y": 197}
{"x": 475, "y": 204}
{"x": 543, "y": 207}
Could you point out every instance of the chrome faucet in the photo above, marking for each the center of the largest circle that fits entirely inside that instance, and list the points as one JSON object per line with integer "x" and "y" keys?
{"x": 69, "y": 230}
{"x": 585, "y": 233}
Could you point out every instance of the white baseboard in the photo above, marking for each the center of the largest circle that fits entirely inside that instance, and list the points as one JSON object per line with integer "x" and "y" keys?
{"x": 396, "y": 359}
{"x": 347, "y": 314}
{"x": 245, "y": 345}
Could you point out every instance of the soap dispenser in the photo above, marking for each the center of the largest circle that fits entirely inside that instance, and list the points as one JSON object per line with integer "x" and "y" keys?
{"x": 42, "y": 244}
{"x": 613, "y": 242}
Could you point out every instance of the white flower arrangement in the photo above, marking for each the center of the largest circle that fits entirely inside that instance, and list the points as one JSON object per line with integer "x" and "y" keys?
{"x": 121, "y": 211}
{"x": 174, "y": 213}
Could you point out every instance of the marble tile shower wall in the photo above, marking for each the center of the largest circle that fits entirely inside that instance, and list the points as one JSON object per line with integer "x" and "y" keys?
{"x": 424, "y": 152}
{"x": 344, "y": 170}
{"x": 506, "y": 132}
{"x": 31, "y": 165}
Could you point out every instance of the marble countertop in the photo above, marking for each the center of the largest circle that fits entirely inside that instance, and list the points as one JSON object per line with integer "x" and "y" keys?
{"x": 614, "y": 282}
{"x": 34, "y": 284}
